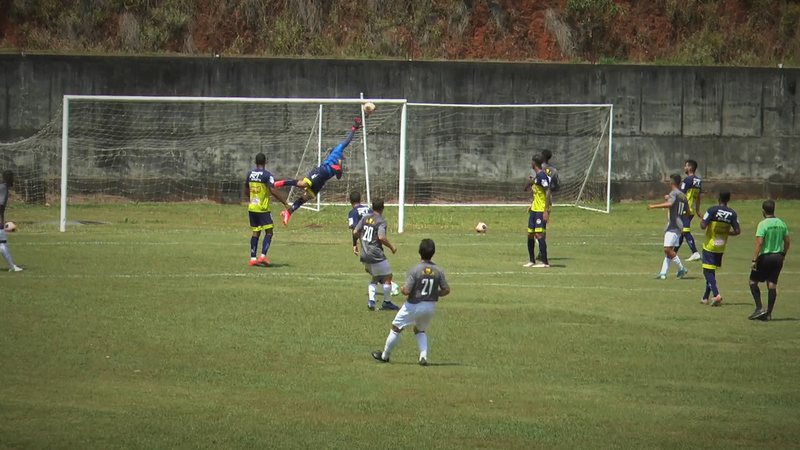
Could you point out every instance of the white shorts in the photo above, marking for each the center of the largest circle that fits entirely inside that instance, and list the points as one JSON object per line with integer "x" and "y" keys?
{"x": 3, "y": 237}
{"x": 419, "y": 315}
{"x": 379, "y": 269}
{"x": 671, "y": 239}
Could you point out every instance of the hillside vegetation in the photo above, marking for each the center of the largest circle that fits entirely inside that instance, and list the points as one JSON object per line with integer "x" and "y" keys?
{"x": 731, "y": 32}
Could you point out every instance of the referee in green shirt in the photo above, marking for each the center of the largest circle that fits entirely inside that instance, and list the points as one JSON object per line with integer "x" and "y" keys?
{"x": 772, "y": 243}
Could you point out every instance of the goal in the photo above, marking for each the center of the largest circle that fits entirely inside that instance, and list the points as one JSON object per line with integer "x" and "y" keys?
{"x": 121, "y": 148}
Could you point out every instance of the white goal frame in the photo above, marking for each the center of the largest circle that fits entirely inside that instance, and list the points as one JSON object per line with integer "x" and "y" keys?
{"x": 609, "y": 128}
{"x": 67, "y": 99}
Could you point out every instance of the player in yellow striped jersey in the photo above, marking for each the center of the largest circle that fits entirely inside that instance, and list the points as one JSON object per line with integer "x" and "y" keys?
{"x": 260, "y": 184}
{"x": 692, "y": 187}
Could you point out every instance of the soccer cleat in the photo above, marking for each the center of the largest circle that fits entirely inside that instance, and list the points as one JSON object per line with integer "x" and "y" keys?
{"x": 379, "y": 357}
{"x": 695, "y": 257}
{"x": 766, "y": 317}
{"x": 15, "y": 268}
{"x": 423, "y": 361}
{"x": 541, "y": 265}
{"x": 529, "y": 264}
{"x": 279, "y": 183}
{"x": 682, "y": 272}
{"x": 661, "y": 276}
{"x": 356, "y": 124}
{"x": 389, "y": 306}
{"x": 286, "y": 215}
{"x": 704, "y": 301}
{"x": 252, "y": 262}
{"x": 716, "y": 301}
{"x": 757, "y": 314}
{"x": 263, "y": 261}
{"x": 371, "y": 305}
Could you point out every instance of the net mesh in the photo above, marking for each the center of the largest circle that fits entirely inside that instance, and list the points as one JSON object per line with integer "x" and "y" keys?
{"x": 187, "y": 151}
{"x": 459, "y": 154}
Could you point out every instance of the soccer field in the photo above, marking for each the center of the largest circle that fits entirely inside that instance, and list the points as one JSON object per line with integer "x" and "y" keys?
{"x": 150, "y": 331}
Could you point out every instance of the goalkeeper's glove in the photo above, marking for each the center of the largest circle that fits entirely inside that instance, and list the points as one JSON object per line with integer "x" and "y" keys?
{"x": 357, "y": 124}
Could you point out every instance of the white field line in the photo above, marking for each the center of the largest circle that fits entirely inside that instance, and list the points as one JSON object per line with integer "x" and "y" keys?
{"x": 276, "y": 272}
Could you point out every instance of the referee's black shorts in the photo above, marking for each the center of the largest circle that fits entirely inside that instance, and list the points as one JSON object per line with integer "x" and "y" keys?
{"x": 768, "y": 268}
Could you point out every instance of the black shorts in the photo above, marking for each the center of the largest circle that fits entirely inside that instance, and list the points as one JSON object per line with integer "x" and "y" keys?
{"x": 768, "y": 268}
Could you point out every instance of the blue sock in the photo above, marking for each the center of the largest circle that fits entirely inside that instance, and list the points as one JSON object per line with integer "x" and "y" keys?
{"x": 543, "y": 249}
{"x": 296, "y": 205}
{"x": 253, "y": 246}
{"x": 690, "y": 241}
{"x": 531, "y": 249}
{"x": 267, "y": 242}
{"x": 711, "y": 281}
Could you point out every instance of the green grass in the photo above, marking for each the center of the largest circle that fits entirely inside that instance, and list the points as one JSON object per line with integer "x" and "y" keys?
{"x": 151, "y": 332}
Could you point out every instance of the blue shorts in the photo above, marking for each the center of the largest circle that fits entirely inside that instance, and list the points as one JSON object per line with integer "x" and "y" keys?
{"x": 260, "y": 221}
{"x": 536, "y": 222}
{"x": 711, "y": 260}
{"x": 687, "y": 222}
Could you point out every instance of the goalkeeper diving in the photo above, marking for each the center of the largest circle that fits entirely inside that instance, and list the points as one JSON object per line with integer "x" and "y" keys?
{"x": 315, "y": 179}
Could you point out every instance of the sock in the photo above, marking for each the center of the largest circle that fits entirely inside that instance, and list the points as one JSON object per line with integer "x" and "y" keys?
{"x": 282, "y": 183}
{"x": 296, "y": 205}
{"x": 543, "y": 249}
{"x": 531, "y": 249}
{"x": 7, "y": 255}
{"x": 422, "y": 343}
{"x": 665, "y": 265}
{"x": 265, "y": 245}
{"x": 371, "y": 291}
{"x": 711, "y": 281}
{"x": 677, "y": 261}
{"x": 756, "y": 295}
{"x": 253, "y": 246}
{"x": 690, "y": 241}
{"x": 391, "y": 341}
{"x": 772, "y": 295}
{"x": 387, "y": 292}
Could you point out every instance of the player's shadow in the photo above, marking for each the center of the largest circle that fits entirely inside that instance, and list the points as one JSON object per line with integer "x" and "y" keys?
{"x": 786, "y": 319}
{"x": 559, "y": 259}
{"x": 558, "y": 266}
{"x": 737, "y": 304}
{"x": 277, "y": 265}
{"x": 432, "y": 364}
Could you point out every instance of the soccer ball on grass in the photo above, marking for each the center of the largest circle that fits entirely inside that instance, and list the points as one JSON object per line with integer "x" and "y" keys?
{"x": 10, "y": 227}
{"x": 481, "y": 228}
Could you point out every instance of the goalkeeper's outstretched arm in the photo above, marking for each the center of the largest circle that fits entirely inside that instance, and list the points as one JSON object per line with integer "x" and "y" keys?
{"x": 336, "y": 154}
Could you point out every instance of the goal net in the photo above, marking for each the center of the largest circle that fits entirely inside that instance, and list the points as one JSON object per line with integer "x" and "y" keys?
{"x": 481, "y": 154}
{"x": 165, "y": 149}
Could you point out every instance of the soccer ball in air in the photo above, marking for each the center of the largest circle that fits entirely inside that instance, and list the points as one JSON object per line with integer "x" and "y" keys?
{"x": 481, "y": 228}
{"x": 368, "y": 108}
{"x": 10, "y": 227}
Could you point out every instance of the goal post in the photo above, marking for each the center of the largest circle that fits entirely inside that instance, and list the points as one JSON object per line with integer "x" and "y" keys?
{"x": 480, "y": 154}
{"x": 169, "y": 148}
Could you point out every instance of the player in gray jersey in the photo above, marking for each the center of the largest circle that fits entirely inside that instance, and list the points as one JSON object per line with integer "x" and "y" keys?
{"x": 424, "y": 285}
{"x": 371, "y": 232}
{"x": 677, "y": 204}
{"x": 5, "y": 187}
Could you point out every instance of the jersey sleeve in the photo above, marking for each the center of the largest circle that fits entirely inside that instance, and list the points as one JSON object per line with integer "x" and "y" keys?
{"x": 735, "y": 221}
{"x": 382, "y": 229}
{"x": 543, "y": 181}
{"x": 761, "y": 229}
{"x": 672, "y": 197}
{"x": 352, "y": 219}
{"x": 358, "y": 226}
{"x": 411, "y": 281}
{"x": 443, "y": 281}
